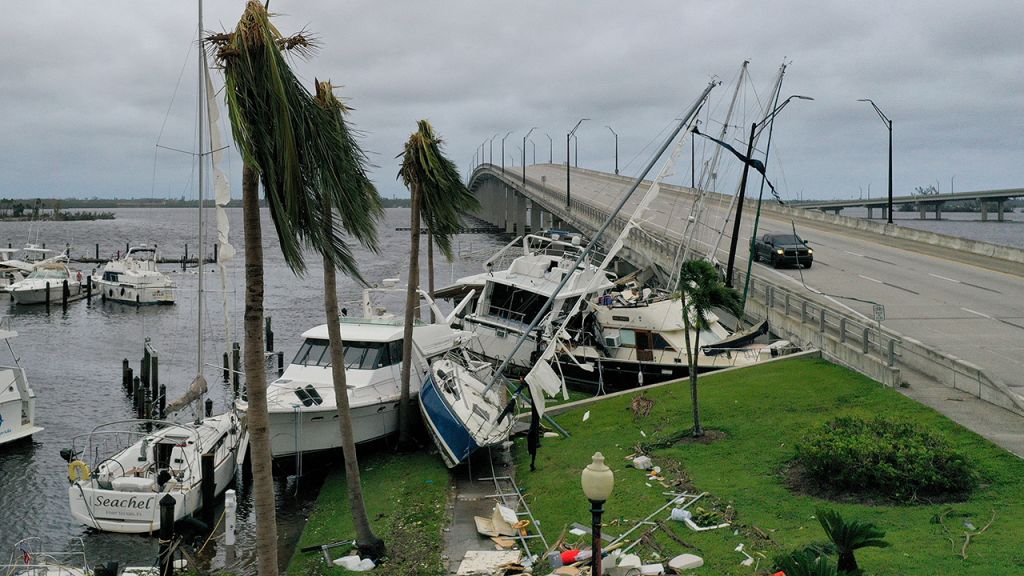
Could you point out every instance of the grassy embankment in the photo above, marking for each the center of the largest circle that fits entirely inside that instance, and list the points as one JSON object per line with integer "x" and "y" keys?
{"x": 763, "y": 412}
{"x": 405, "y": 496}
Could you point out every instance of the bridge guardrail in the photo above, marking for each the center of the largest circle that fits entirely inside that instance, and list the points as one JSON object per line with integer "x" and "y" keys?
{"x": 871, "y": 349}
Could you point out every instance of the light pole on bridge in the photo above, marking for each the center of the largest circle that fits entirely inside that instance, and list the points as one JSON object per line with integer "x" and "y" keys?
{"x": 568, "y": 137}
{"x": 616, "y": 149}
{"x": 551, "y": 149}
{"x": 503, "y": 151}
{"x": 888, "y": 124}
{"x": 491, "y": 148}
{"x": 524, "y": 156}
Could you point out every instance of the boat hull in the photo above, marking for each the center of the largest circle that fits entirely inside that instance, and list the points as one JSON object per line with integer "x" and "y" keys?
{"x": 38, "y": 295}
{"x": 133, "y": 294}
{"x": 314, "y": 431}
{"x": 453, "y": 439}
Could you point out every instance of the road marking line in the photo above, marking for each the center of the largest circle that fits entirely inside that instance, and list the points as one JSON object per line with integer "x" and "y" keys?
{"x": 871, "y": 279}
{"x": 854, "y": 253}
{"x": 975, "y": 312}
{"x": 943, "y": 278}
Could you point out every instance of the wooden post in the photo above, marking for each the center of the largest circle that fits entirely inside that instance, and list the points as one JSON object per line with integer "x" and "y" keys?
{"x": 144, "y": 366}
{"x": 236, "y": 358}
{"x": 215, "y": 252}
{"x": 162, "y": 402}
{"x": 126, "y": 374}
{"x": 227, "y": 367}
{"x": 166, "y": 535}
{"x": 280, "y": 362}
{"x": 65, "y": 292}
{"x": 209, "y": 488}
{"x": 129, "y": 388}
{"x": 47, "y": 296}
{"x": 209, "y": 407}
{"x": 88, "y": 288}
{"x": 269, "y": 335}
{"x": 136, "y": 392}
{"x": 97, "y": 251}
{"x": 154, "y": 374}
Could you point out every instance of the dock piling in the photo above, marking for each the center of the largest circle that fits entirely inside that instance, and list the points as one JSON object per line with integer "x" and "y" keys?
{"x": 65, "y": 292}
{"x": 236, "y": 358}
{"x": 227, "y": 367}
{"x": 230, "y": 508}
{"x": 209, "y": 407}
{"x": 88, "y": 288}
{"x": 208, "y": 487}
{"x": 126, "y": 374}
{"x": 280, "y": 362}
{"x": 136, "y": 392}
{"x": 47, "y": 296}
{"x": 269, "y": 335}
{"x": 166, "y": 535}
{"x": 162, "y": 402}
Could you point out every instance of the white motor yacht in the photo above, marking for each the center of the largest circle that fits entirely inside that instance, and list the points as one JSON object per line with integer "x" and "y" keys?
{"x": 17, "y": 400}
{"x": 135, "y": 279}
{"x": 121, "y": 491}
{"x": 302, "y": 405}
{"x": 46, "y": 283}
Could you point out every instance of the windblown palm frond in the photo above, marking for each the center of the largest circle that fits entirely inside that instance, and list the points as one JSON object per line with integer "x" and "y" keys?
{"x": 303, "y": 149}
{"x": 444, "y": 198}
{"x": 704, "y": 289}
{"x": 849, "y": 536}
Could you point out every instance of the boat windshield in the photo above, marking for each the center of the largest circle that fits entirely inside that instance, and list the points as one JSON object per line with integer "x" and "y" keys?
{"x": 358, "y": 355}
{"x": 49, "y": 274}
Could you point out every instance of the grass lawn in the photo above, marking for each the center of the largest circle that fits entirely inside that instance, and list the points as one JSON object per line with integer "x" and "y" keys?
{"x": 763, "y": 412}
{"x": 405, "y": 497}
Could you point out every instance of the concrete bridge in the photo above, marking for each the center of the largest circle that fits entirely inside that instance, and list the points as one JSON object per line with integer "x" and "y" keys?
{"x": 897, "y": 304}
{"x": 930, "y": 203}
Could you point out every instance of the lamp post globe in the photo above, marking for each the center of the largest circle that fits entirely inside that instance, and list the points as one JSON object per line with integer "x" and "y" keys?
{"x": 597, "y": 480}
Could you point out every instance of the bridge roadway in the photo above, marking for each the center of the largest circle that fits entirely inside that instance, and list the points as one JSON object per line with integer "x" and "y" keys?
{"x": 988, "y": 199}
{"x": 967, "y": 306}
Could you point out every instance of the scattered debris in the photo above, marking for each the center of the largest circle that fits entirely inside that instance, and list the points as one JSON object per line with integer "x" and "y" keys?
{"x": 354, "y": 563}
{"x": 969, "y": 533}
{"x": 503, "y": 522}
{"x": 685, "y": 562}
{"x": 642, "y": 463}
{"x": 586, "y": 415}
{"x": 488, "y": 562}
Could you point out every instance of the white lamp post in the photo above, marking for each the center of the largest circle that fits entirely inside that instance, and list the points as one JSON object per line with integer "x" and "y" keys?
{"x": 597, "y": 480}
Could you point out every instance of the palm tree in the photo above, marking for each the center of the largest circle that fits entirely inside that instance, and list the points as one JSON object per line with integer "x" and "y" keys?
{"x": 304, "y": 159}
{"x": 849, "y": 536}
{"x": 440, "y": 198}
{"x": 701, "y": 289}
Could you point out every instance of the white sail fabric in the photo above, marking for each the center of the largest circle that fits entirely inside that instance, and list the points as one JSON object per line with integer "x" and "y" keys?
{"x": 222, "y": 195}
{"x": 195, "y": 391}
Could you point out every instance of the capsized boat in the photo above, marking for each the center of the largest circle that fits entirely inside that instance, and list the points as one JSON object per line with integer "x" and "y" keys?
{"x": 135, "y": 279}
{"x": 17, "y": 399}
{"x": 133, "y": 469}
{"x": 461, "y": 413}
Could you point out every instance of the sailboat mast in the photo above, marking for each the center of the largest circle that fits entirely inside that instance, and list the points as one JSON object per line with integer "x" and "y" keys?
{"x": 202, "y": 185}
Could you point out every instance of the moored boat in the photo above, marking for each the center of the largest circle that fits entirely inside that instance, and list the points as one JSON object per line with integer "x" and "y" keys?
{"x": 17, "y": 399}
{"x": 135, "y": 279}
{"x": 46, "y": 284}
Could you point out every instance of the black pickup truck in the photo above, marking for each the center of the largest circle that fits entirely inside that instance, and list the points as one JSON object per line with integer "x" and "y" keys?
{"x": 777, "y": 249}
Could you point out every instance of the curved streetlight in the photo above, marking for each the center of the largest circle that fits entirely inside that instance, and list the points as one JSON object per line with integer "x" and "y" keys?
{"x": 888, "y": 124}
{"x": 551, "y": 149}
{"x": 533, "y": 147}
{"x": 616, "y": 149}
{"x": 523, "y": 149}
{"x": 503, "y": 151}
{"x": 567, "y": 138}
{"x": 490, "y": 149}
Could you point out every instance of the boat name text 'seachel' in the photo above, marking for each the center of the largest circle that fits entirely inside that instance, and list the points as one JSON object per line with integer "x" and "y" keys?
{"x": 133, "y": 503}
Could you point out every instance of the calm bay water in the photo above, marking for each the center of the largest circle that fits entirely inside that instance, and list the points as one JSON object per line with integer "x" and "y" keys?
{"x": 73, "y": 361}
{"x": 1010, "y": 232}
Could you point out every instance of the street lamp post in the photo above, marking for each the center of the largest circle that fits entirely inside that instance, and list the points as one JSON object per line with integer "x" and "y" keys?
{"x": 597, "y": 480}
{"x": 888, "y": 124}
{"x": 568, "y": 137}
{"x": 524, "y": 156}
{"x": 616, "y": 149}
{"x": 757, "y": 214}
{"x": 490, "y": 147}
{"x": 503, "y": 151}
{"x": 533, "y": 149}
{"x": 551, "y": 149}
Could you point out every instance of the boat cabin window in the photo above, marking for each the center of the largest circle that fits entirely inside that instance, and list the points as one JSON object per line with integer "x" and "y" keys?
{"x": 111, "y": 276}
{"x": 651, "y": 340}
{"x": 514, "y": 304}
{"x": 314, "y": 352}
{"x": 358, "y": 355}
{"x": 49, "y": 274}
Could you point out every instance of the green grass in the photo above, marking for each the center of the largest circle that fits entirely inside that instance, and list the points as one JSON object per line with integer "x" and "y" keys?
{"x": 405, "y": 497}
{"x": 764, "y": 411}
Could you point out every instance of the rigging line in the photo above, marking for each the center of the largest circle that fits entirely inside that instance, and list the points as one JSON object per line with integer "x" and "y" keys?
{"x": 167, "y": 115}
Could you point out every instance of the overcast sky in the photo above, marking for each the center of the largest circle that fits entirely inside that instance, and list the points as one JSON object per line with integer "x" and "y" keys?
{"x": 87, "y": 86}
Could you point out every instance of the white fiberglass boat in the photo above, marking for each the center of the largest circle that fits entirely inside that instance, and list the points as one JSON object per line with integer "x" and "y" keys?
{"x": 135, "y": 279}
{"x": 461, "y": 413}
{"x": 121, "y": 492}
{"x": 17, "y": 400}
{"x": 30, "y": 558}
{"x": 46, "y": 283}
{"x": 302, "y": 405}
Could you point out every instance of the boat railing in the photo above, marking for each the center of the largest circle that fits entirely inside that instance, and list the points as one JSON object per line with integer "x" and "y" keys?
{"x": 103, "y": 442}
{"x": 506, "y": 316}
{"x": 29, "y": 557}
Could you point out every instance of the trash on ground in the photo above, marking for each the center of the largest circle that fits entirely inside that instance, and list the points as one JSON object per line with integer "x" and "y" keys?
{"x": 685, "y": 562}
{"x": 503, "y": 543}
{"x": 586, "y": 415}
{"x": 652, "y": 570}
{"x": 642, "y": 463}
{"x": 487, "y": 562}
{"x": 354, "y": 563}
{"x": 499, "y": 524}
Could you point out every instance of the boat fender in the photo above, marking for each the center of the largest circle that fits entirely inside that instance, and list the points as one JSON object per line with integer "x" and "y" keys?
{"x": 78, "y": 470}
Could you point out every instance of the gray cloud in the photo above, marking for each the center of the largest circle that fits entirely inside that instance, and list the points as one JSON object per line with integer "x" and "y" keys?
{"x": 87, "y": 85}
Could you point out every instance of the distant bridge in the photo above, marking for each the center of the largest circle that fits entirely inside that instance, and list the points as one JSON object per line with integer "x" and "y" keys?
{"x": 925, "y": 203}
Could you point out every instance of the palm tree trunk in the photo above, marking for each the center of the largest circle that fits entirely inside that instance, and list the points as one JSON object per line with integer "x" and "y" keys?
{"x": 256, "y": 378}
{"x": 691, "y": 361}
{"x": 404, "y": 431}
{"x": 430, "y": 271}
{"x": 369, "y": 544}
